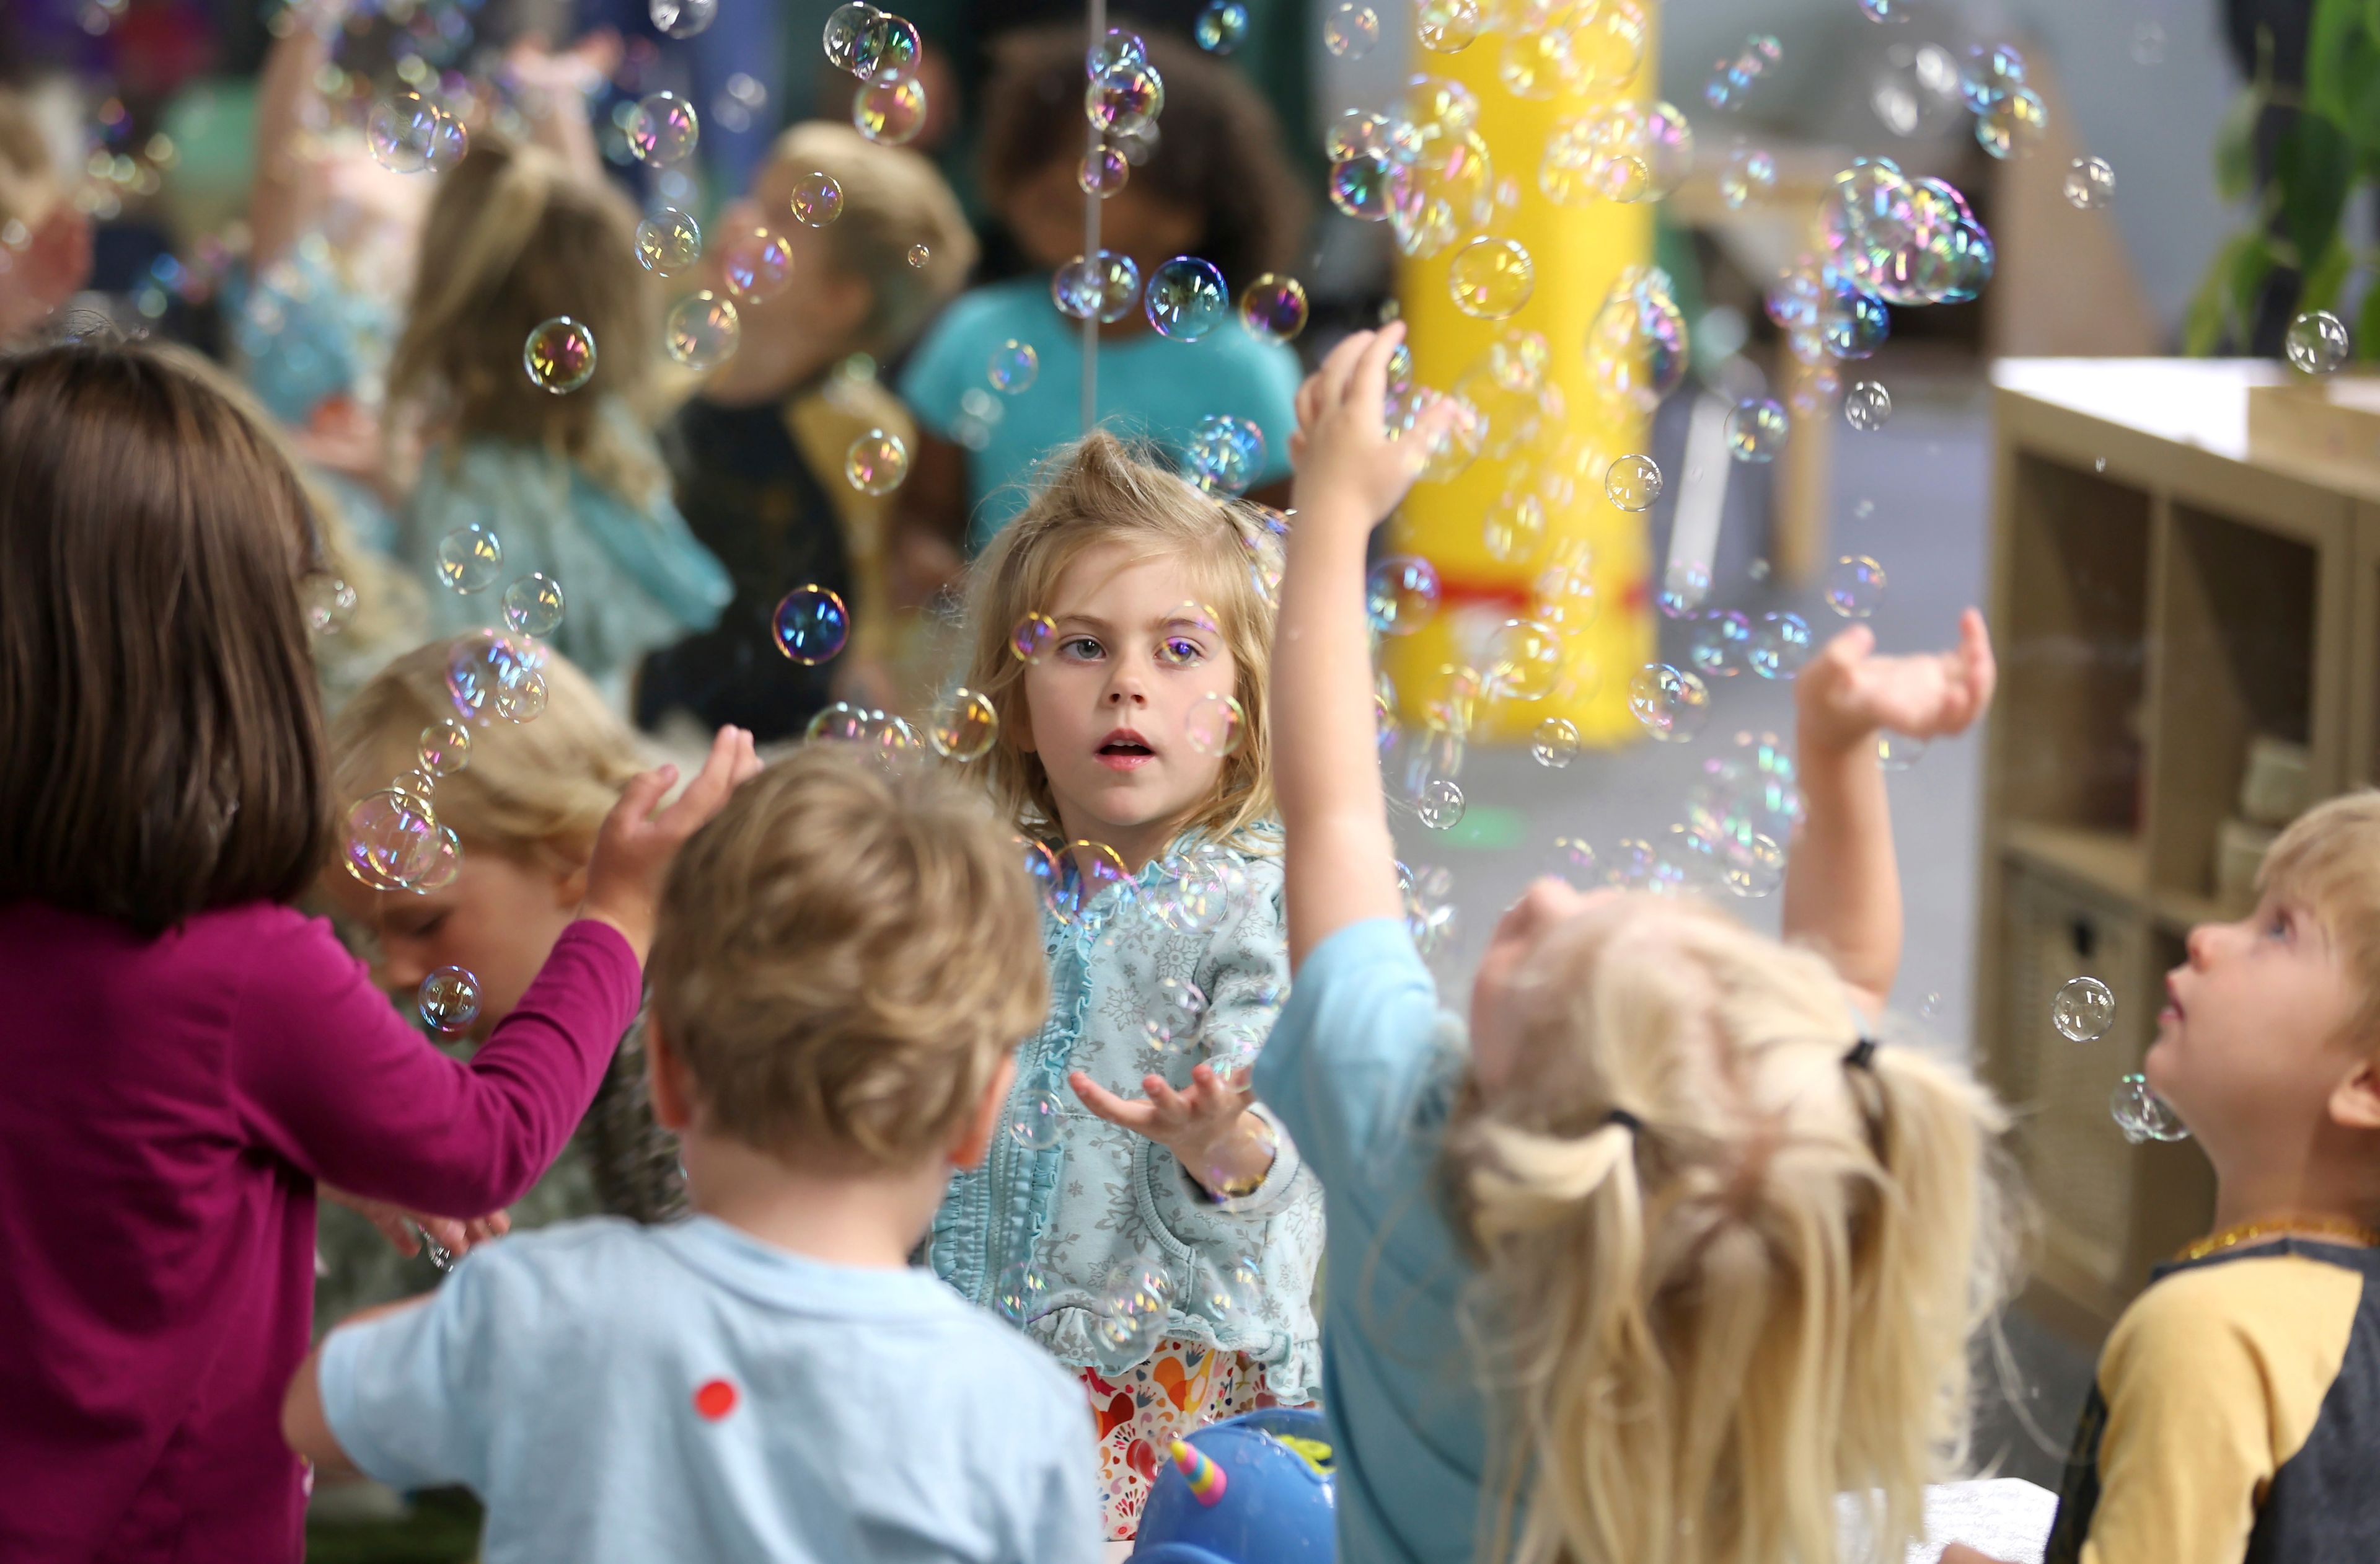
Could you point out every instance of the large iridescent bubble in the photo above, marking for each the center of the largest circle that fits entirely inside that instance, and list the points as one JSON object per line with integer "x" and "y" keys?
{"x": 1637, "y": 348}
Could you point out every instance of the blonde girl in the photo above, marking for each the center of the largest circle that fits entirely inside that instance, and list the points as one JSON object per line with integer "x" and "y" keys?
{"x": 1718, "y": 1254}
{"x": 1142, "y": 1218}
{"x": 570, "y": 485}
{"x": 525, "y": 801}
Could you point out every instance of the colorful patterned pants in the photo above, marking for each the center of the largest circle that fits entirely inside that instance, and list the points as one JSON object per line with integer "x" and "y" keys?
{"x": 1183, "y": 1386}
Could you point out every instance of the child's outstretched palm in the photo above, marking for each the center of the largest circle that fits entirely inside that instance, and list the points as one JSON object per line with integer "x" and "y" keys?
{"x": 1847, "y": 693}
{"x": 1205, "y": 1124}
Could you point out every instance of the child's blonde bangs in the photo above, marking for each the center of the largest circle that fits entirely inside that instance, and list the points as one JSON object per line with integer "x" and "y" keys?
{"x": 2328, "y": 862}
{"x": 1100, "y": 491}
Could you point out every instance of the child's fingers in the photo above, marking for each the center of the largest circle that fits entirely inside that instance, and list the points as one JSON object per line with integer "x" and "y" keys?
{"x": 1138, "y": 1117}
{"x": 1369, "y": 381}
{"x": 642, "y": 794}
{"x": 1165, "y": 1100}
{"x": 1330, "y": 382}
{"x": 1308, "y": 409}
{"x": 1975, "y": 648}
{"x": 707, "y": 794}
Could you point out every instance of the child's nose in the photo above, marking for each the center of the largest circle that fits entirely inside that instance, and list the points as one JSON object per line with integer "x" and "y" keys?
{"x": 2202, "y": 943}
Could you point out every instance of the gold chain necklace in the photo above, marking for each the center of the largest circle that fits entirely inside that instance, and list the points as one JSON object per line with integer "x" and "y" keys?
{"x": 2304, "y": 1227}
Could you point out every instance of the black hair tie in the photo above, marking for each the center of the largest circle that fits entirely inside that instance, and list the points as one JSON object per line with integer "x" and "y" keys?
{"x": 1862, "y": 1056}
{"x": 1626, "y": 1120}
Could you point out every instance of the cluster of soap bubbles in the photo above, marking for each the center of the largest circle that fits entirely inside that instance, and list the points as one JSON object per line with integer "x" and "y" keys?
{"x": 1731, "y": 83}
{"x": 1222, "y": 26}
{"x": 393, "y": 841}
{"x": 410, "y": 134}
{"x": 1742, "y": 807}
{"x": 882, "y": 51}
{"x": 1225, "y": 452}
{"x": 2010, "y": 116}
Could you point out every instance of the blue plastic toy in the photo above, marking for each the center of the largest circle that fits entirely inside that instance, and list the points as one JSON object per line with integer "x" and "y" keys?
{"x": 1254, "y": 1490}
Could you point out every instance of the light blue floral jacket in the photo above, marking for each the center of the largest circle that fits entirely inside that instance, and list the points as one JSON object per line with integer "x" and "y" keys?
{"x": 1102, "y": 1200}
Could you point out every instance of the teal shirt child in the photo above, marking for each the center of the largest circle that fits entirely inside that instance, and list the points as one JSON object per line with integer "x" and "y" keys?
{"x": 1098, "y": 1198}
{"x": 1363, "y": 1070}
{"x": 1150, "y": 387}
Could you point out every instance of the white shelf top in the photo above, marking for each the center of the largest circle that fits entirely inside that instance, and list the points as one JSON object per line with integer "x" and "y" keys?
{"x": 2200, "y": 402}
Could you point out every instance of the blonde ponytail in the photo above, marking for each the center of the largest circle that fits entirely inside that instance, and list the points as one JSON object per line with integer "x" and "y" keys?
{"x": 1729, "y": 1272}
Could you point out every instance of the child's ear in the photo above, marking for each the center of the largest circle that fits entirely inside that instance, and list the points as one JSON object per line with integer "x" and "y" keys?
{"x": 665, "y": 1075}
{"x": 2355, "y": 1101}
{"x": 975, "y": 1135}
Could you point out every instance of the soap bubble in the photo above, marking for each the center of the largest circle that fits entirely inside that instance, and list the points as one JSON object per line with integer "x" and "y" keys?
{"x": 2142, "y": 1115}
{"x": 843, "y": 31}
{"x": 1014, "y": 367}
{"x": 1213, "y": 725}
{"x": 469, "y": 557}
{"x": 1885, "y": 10}
{"x": 838, "y": 723}
{"x": 668, "y": 242}
{"x": 1573, "y": 861}
{"x": 1637, "y": 348}
{"x": 416, "y": 785}
{"x": 1867, "y": 406}
{"x": 1721, "y": 647}
{"x": 1400, "y": 594}
{"x": 663, "y": 128}
{"x": 1684, "y": 585}
{"x": 445, "y": 747}
{"x": 1898, "y": 752}
{"x": 1780, "y": 643}
{"x": 1102, "y": 172}
{"x": 1753, "y": 867}
{"x": 1522, "y": 661}
{"x": 1029, "y": 641}
{"x": 1672, "y": 705}
{"x": 411, "y": 135}
{"x": 1750, "y": 176}
{"x": 876, "y": 462}
{"x": 1225, "y": 452}
{"x": 1034, "y": 1123}
{"x": 2083, "y": 1011}
{"x": 1855, "y": 586}
{"x": 919, "y": 256}
{"x": 1103, "y": 285}
{"x": 1555, "y": 743}
{"x": 1121, "y": 47}
{"x": 886, "y": 50}
{"x": 1083, "y": 896}
{"x": 702, "y": 330}
{"x": 1125, "y": 101}
{"x": 1991, "y": 72}
{"x": 1516, "y": 526}
{"x": 1853, "y": 324}
{"x": 2090, "y": 184}
{"x": 1359, "y": 133}
{"x": 559, "y": 356}
{"x": 1222, "y": 25}
{"x": 330, "y": 604}
{"x": 1492, "y": 278}
{"x": 1440, "y": 805}
{"x": 1186, "y": 298}
{"x": 1632, "y": 482}
{"x": 1273, "y": 307}
{"x": 1756, "y": 430}
{"x": 1130, "y": 1319}
{"x": 524, "y": 700}
{"x": 391, "y": 840}
{"x": 1447, "y": 27}
{"x": 963, "y": 726}
{"x": 1367, "y": 186}
{"x": 449, "y": 999}
{"x": 1730, "y": 83}
{"x": 683, "y": 19}
{"x": 890, "y": 112}
{"x": 482, "y": 667}
{"x": 1021, "y": 1292}
{"x": 756, "y": 264}
{"x": 2317, "y": 342}
{"x": 818, "y": 200}
{"x": 1351, "y": 30}
{"x": 533, "y": 604}
{"x": 445, "y": 867}
{"x": 1624, "y": 150}
{"x": 2011, "y": 124}
{"x": 811, "y": 624}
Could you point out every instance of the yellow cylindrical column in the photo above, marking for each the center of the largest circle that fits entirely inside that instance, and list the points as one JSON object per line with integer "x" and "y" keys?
{"x": 1578, "y": 253}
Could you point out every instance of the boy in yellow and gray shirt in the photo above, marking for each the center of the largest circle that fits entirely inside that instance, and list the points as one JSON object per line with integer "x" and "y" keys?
{"x": 2234, "y": 1412}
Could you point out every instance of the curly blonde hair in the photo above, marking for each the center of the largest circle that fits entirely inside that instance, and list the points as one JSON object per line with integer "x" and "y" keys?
{"x": 847, "y": 953}
{"x": 1734, "y": 1266}
{"x": 1101, "y": 491}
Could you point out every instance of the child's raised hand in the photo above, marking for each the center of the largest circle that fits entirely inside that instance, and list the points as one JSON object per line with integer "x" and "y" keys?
{"x": 1346, "y": 464}
{"x": 1846, "y": 693}
{"x": 1207, "y": 1126}
{"x": 634, "y": 848}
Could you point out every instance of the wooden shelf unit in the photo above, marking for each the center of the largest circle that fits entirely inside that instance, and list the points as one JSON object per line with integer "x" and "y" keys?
{"x": 2160, "y": 597}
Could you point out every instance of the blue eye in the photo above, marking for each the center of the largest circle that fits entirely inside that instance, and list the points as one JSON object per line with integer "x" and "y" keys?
{"x": 1179, "y": 652}
{"x": 1081, "y": 648}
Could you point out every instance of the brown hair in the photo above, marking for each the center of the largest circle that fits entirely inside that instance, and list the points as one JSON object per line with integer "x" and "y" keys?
{"x": 892, "y": 198}
{"x": 1098, "y": 491}
{"x": 512, "y": 241}
{"x": 1218, "y": 143}
{"x": 846, "y": 955}
{"x": 535, "y": 791}
{"x": 2329, "y": 860}
{"x": 161, "y": 736}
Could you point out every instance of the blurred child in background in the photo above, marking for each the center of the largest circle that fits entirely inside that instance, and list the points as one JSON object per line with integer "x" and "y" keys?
{"x": 45, "y": 242}
{"x": 570, "y": 486}
{"x": 759, "y": 451}
{"x": 1216, "y": 186}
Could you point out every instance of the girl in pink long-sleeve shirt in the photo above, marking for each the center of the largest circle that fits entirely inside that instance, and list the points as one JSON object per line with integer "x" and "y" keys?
{"x": 183, "y": 1054}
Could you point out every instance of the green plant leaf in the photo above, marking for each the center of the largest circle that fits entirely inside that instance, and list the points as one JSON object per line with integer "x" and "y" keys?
{"x": 2235, "y": 146}
{"x": 2367, "y": 325}
{"x": 2313, "y": 163}
{"x": 2238, "y": 271}
{"x": 2325, "y": 278}
{"x": 2336, "y": 39}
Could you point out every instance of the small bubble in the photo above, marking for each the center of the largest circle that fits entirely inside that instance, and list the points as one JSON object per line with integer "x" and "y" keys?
{"x": 330, "y": 604}
{"x": 1273, "y": 307}
{"x": 811, "y": 624}
{"x": 683, "y": 19}
{"x": 1448, "y": 26}
{"x": 445, "y": 747}
{"x": 2090, "y": 184}
{"x": 1756, "y": 430}
{"x": 876, "y": 462}
{"x": 702, "y": 330}
{"x": 1213, "y": 725}
{"x": 1222, "y": 25}
{"x": 755, "y": 264}
{"x": 449, "y": 999}
{"x": 1034, "y": 1123}
{"x": 2084, "y": 1009}
{"x": 1400, "y": 594}
{"x": 919, "y": 256}
{"x": 468, "y": 558}
{"x": 533, "y": 604}
{"x": 1492, "y": 278}
{"x": 1351, "y": 30}
{"x": 2142, "y": 1115}
{"x": 668, "y": 242}
{"x": 1014, "y": 367}
{"x": 1632, "y": 482}
{"x": 1021, "y": 1292}
{"x": 1867, "y": 406}
{"x": 818, "y": 200}
{"x": 890, "y": 112}
{"x": 964, "y": 727}
{"x": 663, "y": 128}
{"x": 1671, "y": 704}
{"x": 1030, "y": 640}
{"x": 1186, "y": 298}
{"x": 2317, "y": 342}
{"x": 1440, "y": 805}
{"x": 1855, "y": 586}
{"x": 1555, "y": 743}
{"x": 559, "y": 356}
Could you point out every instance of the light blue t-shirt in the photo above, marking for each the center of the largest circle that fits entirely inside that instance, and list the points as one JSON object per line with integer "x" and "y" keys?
{"x": 865, "y": 1415}
{"x": 1362, "y": 1069}
{"x": 1149, "y": 387}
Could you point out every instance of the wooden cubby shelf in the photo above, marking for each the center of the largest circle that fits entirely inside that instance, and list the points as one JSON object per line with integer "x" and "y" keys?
{"x": 2162, "y": 596}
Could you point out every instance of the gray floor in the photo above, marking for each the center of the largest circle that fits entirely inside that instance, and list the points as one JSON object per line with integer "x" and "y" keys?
{"x": 1914, "y": 496}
